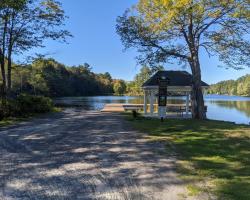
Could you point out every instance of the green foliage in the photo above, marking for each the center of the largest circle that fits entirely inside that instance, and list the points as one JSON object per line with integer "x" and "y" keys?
{"x": 33, "y": 104}
{"x": 239, "y": 87}
{"x": 24, "y": 105}
{"x": 9, "y": 121}
{"x": 119, "y": 87}
{"x": 50, "y": 78}
{"x": 167, "y": 30}
{"x": 134, "y": 87}
{"x": 30, "y": 22}
{"x": 25, "y": 24}
{"x": 211, "y": 154}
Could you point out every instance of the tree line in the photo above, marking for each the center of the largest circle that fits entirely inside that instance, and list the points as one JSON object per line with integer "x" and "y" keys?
{"x": 50, "y": 78}
{"x": 33, "y": 83}
{"x": 25, "y": 24}
{"x": 240, "y": 87}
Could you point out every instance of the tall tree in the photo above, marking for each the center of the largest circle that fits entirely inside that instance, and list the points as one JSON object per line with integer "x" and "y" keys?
{"x": 167, "y": 30}
{"x": 25, "y": 24}
{"x": 119, "y": 87}
{"x": 135, "y": 87}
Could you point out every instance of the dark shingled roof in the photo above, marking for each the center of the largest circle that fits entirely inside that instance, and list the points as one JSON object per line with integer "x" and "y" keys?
{"x": 176, "y": 78}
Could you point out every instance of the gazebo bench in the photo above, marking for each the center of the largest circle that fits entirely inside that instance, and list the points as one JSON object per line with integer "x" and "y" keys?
{"x": 177, "y": 109}
{"x": 180, "y": 109}
{"x": 130, "y": 108}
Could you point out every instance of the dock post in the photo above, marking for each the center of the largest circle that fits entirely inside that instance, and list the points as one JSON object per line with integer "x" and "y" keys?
{"x": 145, "y": 102}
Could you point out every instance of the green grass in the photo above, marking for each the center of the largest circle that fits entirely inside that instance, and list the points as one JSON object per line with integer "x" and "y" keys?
{"x": 10, "y": 121}
{"x": 57, "y": 109}
{"x": 193, "y": 190}
{"x": 213, "y": 153}
{"x": 14, "y": 120}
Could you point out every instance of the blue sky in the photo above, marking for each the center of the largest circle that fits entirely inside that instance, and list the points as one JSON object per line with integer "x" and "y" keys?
{"x": 92, "y": 22}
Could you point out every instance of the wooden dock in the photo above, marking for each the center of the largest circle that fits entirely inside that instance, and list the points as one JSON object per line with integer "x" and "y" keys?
{"x": 174, "y": 108}
{"x": 127, "y": 107}
{"x": 121, "y": 107}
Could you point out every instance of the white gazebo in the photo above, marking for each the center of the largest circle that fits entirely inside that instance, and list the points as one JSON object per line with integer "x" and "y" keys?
{"x": 180, "y": 82}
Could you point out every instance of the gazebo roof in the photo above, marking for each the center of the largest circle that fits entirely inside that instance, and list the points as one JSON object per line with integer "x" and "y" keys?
{"x": 176, "y": 78}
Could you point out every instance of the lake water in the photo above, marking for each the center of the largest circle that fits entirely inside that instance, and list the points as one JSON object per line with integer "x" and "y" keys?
{"x": 227, "y": 108}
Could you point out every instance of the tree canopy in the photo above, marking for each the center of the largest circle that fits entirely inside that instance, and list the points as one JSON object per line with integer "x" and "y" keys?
{"x": 25, "y": 24}
{"x": 51, "y": 78}
{"x": 134, "y": 87}
{"x": 119, "y": 87}
{"x": 169, "y": 30}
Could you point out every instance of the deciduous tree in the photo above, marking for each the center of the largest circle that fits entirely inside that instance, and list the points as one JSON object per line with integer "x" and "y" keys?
{"x": 25, "y": 24}
{"x": 119, "y": 87}
{"x": 167, "y": 30}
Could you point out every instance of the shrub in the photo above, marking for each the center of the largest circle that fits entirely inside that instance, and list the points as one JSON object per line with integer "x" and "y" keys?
{"x": 26, "y": 104}
{"x": 4, "y": 109}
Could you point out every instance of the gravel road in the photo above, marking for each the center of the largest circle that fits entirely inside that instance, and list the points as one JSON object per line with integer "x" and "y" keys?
{"x": 80, "y": 154}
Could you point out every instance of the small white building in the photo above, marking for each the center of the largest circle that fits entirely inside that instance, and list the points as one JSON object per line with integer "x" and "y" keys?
{"x": 179, "y": 82}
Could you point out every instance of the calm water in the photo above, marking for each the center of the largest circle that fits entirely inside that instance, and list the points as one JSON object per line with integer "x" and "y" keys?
{"x": 227, "y": 108}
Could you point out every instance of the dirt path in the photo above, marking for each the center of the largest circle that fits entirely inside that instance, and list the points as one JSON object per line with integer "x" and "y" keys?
{"x": 80, "y": 154}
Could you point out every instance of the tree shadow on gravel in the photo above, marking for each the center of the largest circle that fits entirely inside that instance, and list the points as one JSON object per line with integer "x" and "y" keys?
{"x": 79, "y": 155}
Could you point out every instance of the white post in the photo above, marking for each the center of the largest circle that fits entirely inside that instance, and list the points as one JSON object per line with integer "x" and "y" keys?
{"x": 187, "y": 104}
{"x": 145, "y": 102}
{"x": 151, "y": 103}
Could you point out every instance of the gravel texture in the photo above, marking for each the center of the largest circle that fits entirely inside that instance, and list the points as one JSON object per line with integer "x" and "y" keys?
{"x": 80, "y": 154}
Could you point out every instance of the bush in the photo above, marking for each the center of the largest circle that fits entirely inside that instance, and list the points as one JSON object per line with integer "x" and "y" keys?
{"x": 33, "y": 104}
{"x": 24, "y": 105}
{"x": 4, "y": 109}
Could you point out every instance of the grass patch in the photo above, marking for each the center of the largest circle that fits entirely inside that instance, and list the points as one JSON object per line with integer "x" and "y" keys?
{"x": 10, "y": 121}
{"x": 193, "y": 190}
{"x": 214, "y": 152}
{"x": 57, "y": 109}
{"x": 14, "y": 120}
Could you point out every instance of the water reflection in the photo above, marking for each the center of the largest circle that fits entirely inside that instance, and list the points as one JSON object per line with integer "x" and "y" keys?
{"x": 227, "y": 108}
{"x": 242, "y": 106}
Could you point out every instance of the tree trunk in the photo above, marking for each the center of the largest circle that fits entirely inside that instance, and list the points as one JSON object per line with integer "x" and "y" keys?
{"x": 198, "y": 108}
{"x": 3, "y": 86}
{"x": 2, "y": 61}
{"x": 9, "y": 84}
{"x": 10, "y": 48}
